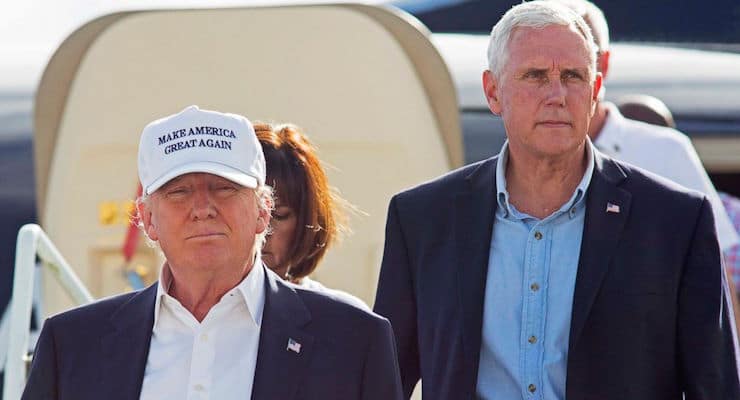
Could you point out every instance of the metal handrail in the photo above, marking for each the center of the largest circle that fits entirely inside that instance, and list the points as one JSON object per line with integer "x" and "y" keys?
{"x": 32, "y": 241}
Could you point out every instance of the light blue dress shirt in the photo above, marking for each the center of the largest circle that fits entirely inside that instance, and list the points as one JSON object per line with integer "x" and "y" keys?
{"x": 531, "y": 278}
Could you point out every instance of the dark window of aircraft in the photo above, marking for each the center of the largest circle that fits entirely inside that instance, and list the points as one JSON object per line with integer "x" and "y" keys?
{"x": 685, "y": 21}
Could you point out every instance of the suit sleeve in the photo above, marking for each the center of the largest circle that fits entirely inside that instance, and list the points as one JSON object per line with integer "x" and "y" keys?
{"x": 707, "y": 336}
{"x": 381, "y": 379}
{"x": 42, "y": 379}
{"x": 691, "y": 173}
{"x": 395, "y": 299}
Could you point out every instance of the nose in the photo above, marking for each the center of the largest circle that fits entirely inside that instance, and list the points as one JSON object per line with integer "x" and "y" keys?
{"x": 203, "y": 207}
{"x": 556, "y": 93}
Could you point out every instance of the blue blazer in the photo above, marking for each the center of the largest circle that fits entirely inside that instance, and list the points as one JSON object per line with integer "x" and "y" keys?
{"x": 651, "y": 317}
{"x": 99, "y": 351}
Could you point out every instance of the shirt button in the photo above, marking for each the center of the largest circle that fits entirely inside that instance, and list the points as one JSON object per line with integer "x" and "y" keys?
{"x": 532, "y": 339}
{"x": 535, "y": 287}
{"x": 532, "y": 388}
{"x": 198, "y": 387}
{"x": 538, "y": 235}
{"x": 204, "y": 337}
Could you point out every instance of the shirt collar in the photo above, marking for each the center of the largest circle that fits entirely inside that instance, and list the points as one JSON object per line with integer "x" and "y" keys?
{"x": 502, "y": 195}
{"x": 610, "y": 138}
{"x": 251, "y": 289}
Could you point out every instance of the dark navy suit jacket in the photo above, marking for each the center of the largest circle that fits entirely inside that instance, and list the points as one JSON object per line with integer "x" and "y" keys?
{"x": 650, "y": 318}
{"x": 100, "y": 351}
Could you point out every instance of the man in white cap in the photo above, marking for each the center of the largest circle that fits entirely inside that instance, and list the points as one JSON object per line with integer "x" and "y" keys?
{"x": 218, "y": 324}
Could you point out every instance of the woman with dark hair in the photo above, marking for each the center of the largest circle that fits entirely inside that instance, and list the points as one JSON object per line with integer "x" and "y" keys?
{"x": 308, "y": 214}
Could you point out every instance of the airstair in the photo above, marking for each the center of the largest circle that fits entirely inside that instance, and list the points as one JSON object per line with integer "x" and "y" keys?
{"x": 32, "y": 243}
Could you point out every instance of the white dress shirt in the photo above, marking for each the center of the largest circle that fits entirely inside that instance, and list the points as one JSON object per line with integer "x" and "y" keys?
{"x": 665, "y": 152}
{"x": 214, "y": 359}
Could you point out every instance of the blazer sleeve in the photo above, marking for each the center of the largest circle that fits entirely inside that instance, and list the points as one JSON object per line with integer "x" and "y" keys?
{"x": 689, "y": 171}
{"x": 381, "y": 378}
{"x": 707, "y": 337}
{"x": 42, "y": 379}
{"x": 395, "y": 299}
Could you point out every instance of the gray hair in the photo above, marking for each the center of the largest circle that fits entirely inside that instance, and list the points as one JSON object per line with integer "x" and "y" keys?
{"x": 265, "y": 202}
{"x": 536, "y": 14}
{"x": 594, "y": 18}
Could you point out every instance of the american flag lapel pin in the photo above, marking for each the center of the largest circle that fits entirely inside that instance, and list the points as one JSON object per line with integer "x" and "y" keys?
{"x": 293, "y": 346}
{"x": 612, "y": 208}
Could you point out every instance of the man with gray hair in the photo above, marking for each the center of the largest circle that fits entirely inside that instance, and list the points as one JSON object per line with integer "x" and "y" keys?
{"x": 218, "y": 324}
{"x": 552, "y": 271}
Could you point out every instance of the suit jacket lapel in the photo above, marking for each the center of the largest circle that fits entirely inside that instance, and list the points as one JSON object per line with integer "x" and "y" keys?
{"x": 126, "y": 347}
{"x": 280, "y": 369}
{"x": 601, "y": 232}
{"x": 475, "y": 207}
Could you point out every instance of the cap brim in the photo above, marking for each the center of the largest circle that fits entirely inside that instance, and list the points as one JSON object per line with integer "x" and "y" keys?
{"x": 221, "y": 170}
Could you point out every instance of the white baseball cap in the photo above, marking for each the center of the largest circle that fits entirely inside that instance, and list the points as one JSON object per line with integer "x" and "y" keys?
{"x": 196, "y": 140}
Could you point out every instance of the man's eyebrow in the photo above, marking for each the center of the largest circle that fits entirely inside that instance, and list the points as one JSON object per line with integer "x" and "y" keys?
{"x": 579, "y": 71}
{"x": 533, "y": 70}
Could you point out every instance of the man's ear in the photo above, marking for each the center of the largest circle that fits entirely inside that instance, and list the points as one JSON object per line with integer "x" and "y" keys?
{"x": 263, "y": 221}
{"x": 598, "y": 81}
{"x": 263, "y": 218}
{"x": 490, "y": 89}
{"x": 602, "y": 63}
{"x": 145, "y": 216}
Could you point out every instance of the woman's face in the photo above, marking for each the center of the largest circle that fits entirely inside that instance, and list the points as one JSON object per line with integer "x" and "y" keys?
{"x": 280, "y": 241}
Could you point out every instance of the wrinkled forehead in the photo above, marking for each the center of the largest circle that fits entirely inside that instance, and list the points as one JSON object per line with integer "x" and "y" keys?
{"x": 525, "y": 32}
{"x": 551, "y": 43}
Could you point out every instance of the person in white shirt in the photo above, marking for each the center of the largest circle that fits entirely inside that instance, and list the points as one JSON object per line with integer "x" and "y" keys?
{"x": 660, "y": 150}
{"x": 309, "y": 214}
{"x": 218, "y": 324}
{"x": 653, "y": 111}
